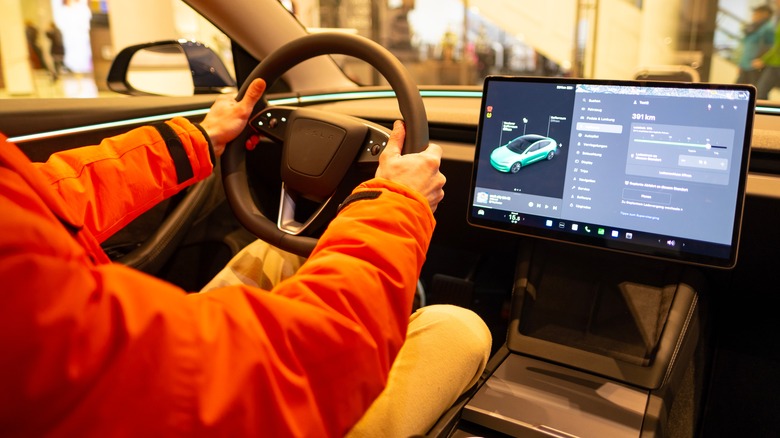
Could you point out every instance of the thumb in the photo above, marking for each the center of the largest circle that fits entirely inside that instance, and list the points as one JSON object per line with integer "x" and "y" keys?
{"x": 396, "y": 141}
{"x": 253, "y": 93}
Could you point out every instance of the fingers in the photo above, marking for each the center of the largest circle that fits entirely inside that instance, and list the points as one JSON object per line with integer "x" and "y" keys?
{"x": 437, "y": 195}
{"x": 396, "y": 142}
{"x": 418, "y": 171}
{"x": 251, "y": 142}
{"x": 434, "y": 151}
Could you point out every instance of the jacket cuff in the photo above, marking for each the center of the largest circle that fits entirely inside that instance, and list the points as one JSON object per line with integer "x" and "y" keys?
{"x": 359, "y": 195}
{"x": 380, "y": 184}
{"x": 212, "y": 155}
{"x": 177, "y": 151}
{"x": 199, "y": 147}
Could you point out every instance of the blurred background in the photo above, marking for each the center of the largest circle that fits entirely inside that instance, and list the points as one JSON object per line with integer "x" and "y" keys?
{"x": 63, "y": 48}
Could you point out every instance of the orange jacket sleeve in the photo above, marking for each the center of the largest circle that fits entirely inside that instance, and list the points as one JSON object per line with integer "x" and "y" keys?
{"x": 108, "y": 185}
{"x": 100, "y": 349}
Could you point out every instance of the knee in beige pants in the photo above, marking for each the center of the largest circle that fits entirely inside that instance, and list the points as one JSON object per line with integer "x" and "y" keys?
{"x": 445, "y": 352}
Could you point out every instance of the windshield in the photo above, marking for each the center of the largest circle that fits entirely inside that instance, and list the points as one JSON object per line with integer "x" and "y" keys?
{"x": 519, "y": 145}
{"x": 459, "y": 42}
{"x": 54, "y": 48}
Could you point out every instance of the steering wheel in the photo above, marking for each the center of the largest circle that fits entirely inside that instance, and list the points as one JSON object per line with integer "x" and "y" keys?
{"x": 319, "y": 148}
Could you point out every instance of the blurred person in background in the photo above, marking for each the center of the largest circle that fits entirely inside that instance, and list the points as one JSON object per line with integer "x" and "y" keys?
{"x": 770, "y": 63}
{"x": 56, "y": 50}
{"x": 72, "y": 18}
{"x": 758, "y": 38}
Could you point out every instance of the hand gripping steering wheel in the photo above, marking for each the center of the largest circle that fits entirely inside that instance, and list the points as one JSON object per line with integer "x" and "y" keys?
{"x": 318, "y": 148}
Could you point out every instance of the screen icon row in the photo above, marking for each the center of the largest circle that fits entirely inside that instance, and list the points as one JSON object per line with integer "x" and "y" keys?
{"x": 588, "y": 229}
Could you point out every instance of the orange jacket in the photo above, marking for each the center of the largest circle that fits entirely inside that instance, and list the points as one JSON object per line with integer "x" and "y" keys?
{"x": 95, "y": 348}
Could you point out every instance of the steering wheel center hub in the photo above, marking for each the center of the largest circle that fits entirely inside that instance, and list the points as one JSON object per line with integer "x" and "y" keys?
{"x": 319, "y": 149}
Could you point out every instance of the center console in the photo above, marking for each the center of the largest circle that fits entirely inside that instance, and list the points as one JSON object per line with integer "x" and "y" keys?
{"x": 597, "y": 346}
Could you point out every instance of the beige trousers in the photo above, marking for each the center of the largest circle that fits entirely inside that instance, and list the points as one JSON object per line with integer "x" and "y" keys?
{"x": 445, "y": 351}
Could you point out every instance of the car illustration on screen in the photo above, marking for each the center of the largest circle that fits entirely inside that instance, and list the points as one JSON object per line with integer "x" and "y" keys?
{"x": 522, "y": 151}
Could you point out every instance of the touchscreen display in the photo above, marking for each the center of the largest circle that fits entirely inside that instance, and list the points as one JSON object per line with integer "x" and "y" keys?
{"x": 653, "y": 168}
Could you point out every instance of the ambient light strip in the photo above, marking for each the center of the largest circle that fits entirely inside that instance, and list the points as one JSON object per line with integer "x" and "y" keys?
{"x": 767, "y": 110}
{"x": 99, "y": 126}
{"x": 355, "y": 95}
{"x": 128, "y": 122}
{"x": 315, "y": 98}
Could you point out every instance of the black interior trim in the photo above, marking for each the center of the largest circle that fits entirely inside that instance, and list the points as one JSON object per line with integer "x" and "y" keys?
{"x": 156, "y": 250}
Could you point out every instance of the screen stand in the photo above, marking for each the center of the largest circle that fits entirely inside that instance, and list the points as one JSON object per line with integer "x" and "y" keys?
{"x": 596, "y": 340}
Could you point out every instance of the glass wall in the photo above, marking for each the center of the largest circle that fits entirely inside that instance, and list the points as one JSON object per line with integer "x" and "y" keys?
{"x": 64, "y": 48}
{"x": 69, "y": 44}
{"x": 461, "y": 41}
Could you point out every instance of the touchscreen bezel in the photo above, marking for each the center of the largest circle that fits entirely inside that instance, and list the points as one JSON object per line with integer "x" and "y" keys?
{"x": 679, "y": 249}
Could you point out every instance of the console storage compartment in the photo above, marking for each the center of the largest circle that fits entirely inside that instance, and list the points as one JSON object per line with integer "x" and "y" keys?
{"x": 598, "y": 344}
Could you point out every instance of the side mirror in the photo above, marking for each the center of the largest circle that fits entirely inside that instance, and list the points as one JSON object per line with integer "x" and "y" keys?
{"x": 169, "y": 68}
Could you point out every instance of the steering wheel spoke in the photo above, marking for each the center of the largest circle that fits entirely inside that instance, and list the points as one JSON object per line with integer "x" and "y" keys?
{"x": 272, "y": 121}
{"x": 375, "y": 143}
{"x": 290, "y": 220}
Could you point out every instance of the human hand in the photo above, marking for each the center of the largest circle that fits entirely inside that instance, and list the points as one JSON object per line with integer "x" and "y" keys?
{"x": 227, "y": 117}
{"x": 757, "y": 63}
{"x": 419, "y": 171}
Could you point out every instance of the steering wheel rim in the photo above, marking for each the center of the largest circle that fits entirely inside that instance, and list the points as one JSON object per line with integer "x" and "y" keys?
{"x": 234, "y": 173}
